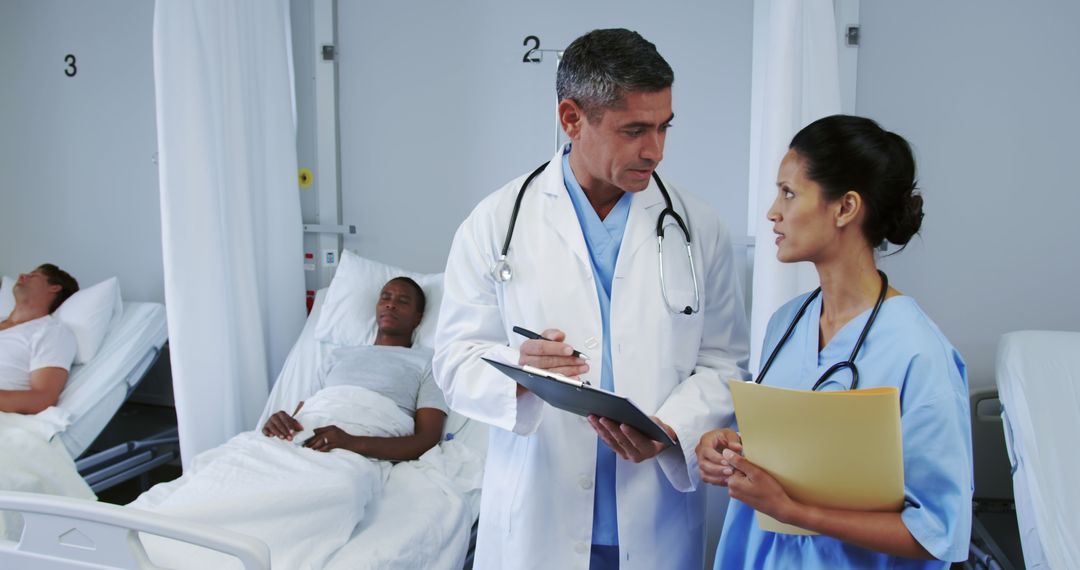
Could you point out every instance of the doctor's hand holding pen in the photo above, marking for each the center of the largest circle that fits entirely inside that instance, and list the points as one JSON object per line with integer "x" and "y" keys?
{"x": 282, "y": 425}
{"x": 549, "y": 352}
{"x": 715, "y": 468}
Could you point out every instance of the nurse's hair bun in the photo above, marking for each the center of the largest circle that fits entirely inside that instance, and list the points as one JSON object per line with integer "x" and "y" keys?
{"x": 845, "y": 153}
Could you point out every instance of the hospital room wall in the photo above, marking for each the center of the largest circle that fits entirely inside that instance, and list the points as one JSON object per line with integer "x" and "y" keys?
{"x": 437, "y": 109}
{"x": 80, "y": 185}
{"x": 987, "y": 93}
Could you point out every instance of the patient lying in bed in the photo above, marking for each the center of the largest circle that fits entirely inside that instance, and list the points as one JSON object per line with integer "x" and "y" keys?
{"x": 36, "y": 352}
{"x": 303, "y": 489}
{"x": 390, "y": 368}
{"x": 36, "y": 349}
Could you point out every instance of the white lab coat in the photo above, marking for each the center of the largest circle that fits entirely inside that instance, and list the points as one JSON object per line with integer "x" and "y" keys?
{"x": 537, "y": 504}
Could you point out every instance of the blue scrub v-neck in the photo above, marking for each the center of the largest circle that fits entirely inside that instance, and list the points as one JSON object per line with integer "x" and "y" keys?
{"x": 838, "y": 348}
{"x": 603, "y": 239}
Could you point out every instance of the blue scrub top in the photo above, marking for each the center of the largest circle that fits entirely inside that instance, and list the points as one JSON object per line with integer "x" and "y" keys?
{"x": 603, "y": 238}
{"x": 904, "y": 349}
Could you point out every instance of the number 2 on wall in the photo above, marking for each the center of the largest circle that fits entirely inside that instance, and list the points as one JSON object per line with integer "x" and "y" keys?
{"x": 71, "y": 70}
{"x": 529, "y": 57}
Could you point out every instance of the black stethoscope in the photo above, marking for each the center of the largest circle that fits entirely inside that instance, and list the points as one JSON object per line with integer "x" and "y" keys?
{"x": 850, "y": 362}
{"x": 501, "y": 271}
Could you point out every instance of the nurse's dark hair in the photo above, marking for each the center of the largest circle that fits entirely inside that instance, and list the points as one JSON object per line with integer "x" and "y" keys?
{"x": 598, "y": 68}
{"x": 421, "y": 299}
{"x": 844, "y": 153}
{"x": 56, "y": 276}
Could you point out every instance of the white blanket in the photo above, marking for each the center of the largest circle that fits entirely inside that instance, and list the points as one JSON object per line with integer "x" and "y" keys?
{"x": 33, "y": 462}
{"x": 423, "y": 518}
{"x": 303, "y": 504}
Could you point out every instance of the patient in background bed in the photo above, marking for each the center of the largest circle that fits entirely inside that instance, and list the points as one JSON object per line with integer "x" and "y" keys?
{"x": 36, "y": 349}
{"x": 390, "y": 367}
{"x": 376, "y": 403}
{"x": 36, "y": 352}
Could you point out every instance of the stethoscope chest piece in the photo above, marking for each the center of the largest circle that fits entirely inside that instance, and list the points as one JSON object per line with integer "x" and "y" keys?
{"x": 848, "y": 364}
{"x": 501, "y": 270}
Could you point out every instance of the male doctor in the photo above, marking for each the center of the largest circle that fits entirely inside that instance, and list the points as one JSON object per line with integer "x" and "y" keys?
{"x": 560, "y": 490}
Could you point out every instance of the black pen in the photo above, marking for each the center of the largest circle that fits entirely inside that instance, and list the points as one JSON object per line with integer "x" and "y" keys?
{"x": 529, "y": 334}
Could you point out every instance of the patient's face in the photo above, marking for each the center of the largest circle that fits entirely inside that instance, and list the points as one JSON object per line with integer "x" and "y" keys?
{"x": 34, "y": 285}
{"x": 397, "y": 311}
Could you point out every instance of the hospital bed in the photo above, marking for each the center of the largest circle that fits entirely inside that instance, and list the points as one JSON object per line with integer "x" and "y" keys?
{"x": 134, "y": 350}
{"x": 425, "y": 517}
{"x": 95, "y": 390}
{"x": 117, "y": 343}
{"x": 1038, "y": 380}
{"x": 993, "y": 538}
{"x": 44, "y": 445}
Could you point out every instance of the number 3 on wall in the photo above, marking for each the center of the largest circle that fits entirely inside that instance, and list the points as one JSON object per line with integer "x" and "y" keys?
{"x": 71, "y": 70}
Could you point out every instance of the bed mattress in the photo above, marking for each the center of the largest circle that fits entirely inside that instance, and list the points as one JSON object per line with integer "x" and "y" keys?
{"x": 96, "y": 390}
{"x": 1038, "y": 377}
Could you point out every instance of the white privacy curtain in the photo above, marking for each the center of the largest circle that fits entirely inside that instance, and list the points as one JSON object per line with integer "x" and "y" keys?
{"x": 230, "y": 208}
{"x": 796, "y": 80}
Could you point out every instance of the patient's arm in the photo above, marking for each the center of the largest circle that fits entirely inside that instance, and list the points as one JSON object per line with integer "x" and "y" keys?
{"x": 429, "y": 425}
{"x": 45, "y": 387}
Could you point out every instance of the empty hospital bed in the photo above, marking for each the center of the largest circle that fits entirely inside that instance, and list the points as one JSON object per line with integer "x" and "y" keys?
{"x": 424, "y": 517}
{"x": 1038, "y": 379}
{"x": 994, "y": 545}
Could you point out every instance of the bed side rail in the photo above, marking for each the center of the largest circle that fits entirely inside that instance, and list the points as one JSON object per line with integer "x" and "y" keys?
{"x": 61, "y": 532}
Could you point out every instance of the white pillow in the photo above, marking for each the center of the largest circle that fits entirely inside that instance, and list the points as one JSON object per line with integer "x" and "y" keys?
{"x": 88, "y": 314}
{"x": 348, "y": 313}
{"x": 7, "y": 297}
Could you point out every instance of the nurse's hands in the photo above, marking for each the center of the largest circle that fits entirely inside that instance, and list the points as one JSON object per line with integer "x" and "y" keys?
{"x": 720, "y": 462}
{"x": 758, "y": 490}
{"x": 627, "y": 442}
{"x": 712, "y": 465}
{"x": 552, "y": 354}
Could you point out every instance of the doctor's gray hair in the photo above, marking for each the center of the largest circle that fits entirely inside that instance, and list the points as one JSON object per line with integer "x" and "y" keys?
{"x": 601, "y": 66}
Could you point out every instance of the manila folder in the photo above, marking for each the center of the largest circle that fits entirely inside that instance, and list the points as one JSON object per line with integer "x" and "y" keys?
{"x": 839, "y": 449}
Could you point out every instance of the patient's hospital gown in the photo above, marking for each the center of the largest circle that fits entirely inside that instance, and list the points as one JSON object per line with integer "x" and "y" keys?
{"x": 399, "y": 373}
{"x": 904, "y": 349}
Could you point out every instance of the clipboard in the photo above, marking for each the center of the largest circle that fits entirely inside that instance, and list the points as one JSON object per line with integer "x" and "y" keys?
{"x": 579, "y": 398}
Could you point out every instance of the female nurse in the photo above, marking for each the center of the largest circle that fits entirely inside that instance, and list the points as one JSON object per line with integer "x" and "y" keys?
{"x": 845, "y": 186}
